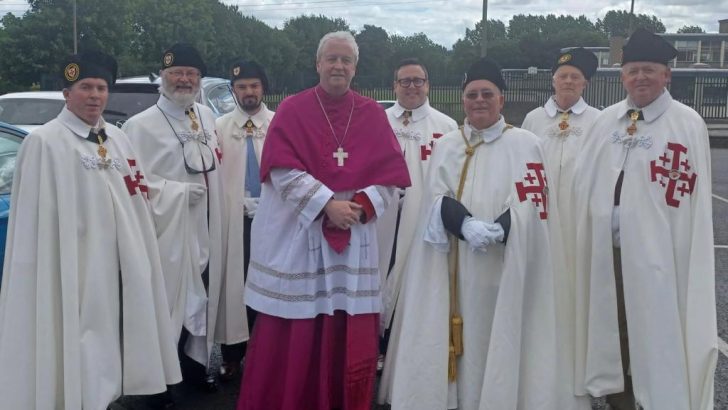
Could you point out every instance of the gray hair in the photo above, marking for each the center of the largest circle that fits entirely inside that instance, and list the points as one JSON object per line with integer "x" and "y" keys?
{"x": 338, "y": 35}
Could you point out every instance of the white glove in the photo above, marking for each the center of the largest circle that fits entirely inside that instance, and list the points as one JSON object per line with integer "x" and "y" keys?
{"x": 481, "y": 234}
{"x": 196, "y": 193}
{"x": 250, "y": 205}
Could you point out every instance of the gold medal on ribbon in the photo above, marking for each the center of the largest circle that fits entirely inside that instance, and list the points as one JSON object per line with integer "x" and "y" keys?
{"x": 633, "y": 116}
{"x": 564, "y": 124}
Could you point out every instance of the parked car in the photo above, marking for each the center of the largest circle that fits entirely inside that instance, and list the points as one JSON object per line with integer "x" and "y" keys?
{"x": 31, "y": 109}
{"x": 386, "y": 103}
{"x": 132, "y": 95}
{"x": 10, "y": 139}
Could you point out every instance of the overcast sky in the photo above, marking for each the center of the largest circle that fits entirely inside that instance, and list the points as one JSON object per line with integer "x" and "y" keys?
{"x": 445, "y": 21}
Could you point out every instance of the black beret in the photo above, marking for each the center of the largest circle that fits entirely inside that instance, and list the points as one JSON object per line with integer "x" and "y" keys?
{"x": 646, "y": 46}
{"x": 248, "y": 69}
{"x": 184, "y": 55}
{"x": 580, "y": 58}
{"x": 485, "y": 69}
{"x": 91, "y": 64}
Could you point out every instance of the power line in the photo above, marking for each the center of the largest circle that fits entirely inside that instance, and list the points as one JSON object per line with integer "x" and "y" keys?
{"x": 304, "y": 6}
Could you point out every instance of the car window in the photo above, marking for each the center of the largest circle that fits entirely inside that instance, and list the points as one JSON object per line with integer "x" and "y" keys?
{"x": 220, "y": 99}
{"x": 123, "y": 105}
{"x": 29, "y": 111}
{"x": 9, "y": 145}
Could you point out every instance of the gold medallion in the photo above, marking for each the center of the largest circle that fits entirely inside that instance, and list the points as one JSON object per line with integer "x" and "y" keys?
{"x": 565, "y": 58}
{"x": 249, "y": 126}
{"x": 195, "y": 127}
{"x": 633, "y": 116}
{"x": 236, "y": 71}
{"x": 168, "y": 59}
{"x": 564, "y": 124}
{"x": 71, "y": 72}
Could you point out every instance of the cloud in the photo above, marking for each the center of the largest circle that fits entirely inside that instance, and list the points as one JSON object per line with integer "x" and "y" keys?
{"x": 445, "y": 23}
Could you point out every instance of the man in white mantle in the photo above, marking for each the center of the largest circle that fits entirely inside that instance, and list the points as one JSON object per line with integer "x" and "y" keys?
{"x": 241, "y": 134}
{"x": 417, "y": 126}
{"x": 83, "y": 312}
{"x": 177, "y": 143}
{"x": 645, "y": 257}
{"x": 484, "y": 336}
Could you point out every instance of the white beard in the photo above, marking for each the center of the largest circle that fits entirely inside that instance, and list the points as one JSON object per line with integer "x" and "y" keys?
{"x": 182, "y": 99}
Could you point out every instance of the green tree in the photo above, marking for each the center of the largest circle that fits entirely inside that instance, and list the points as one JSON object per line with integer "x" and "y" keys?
{"x": 305, "y": 32}
{"x": 434, "y": 56}
{"x": 690, "y": 29}
{"x": 375, "y": 52}
{"x": 616, "y": 23}
{"x": 466, "y": 50}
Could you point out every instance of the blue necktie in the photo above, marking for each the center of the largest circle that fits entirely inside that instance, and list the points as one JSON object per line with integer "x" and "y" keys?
{"x": 252, "y": 173}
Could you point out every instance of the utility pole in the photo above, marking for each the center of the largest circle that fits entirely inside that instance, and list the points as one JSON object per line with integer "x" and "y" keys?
{"x": 631, "y": 20}
{"x": 75, "y": 36}
{"x": 484, "y": 32}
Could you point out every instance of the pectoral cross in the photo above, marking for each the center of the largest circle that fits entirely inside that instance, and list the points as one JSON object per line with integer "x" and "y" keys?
{"x": 407, "y": 115}
{"x": 340, "y": 155}
{"x": 564, "y": 124}
{"x": 193, "y": 118}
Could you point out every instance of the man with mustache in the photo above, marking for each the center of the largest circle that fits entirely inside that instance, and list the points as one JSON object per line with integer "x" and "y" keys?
{"x": 177, "y": 143}
{"x": 483, "y": 337}
{"x": 83, "y": 311}
{"x": 645, "y": 268}
{"x": 562, "y": 125}
{"x": 241, "y": 135}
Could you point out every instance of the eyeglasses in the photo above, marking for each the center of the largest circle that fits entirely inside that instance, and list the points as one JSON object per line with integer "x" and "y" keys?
{"x": 194, "y": 74}
{"x": 406, "y": 82}
{"x": 198, "y": 156}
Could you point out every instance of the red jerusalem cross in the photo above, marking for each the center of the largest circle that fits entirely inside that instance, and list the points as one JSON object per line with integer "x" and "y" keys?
{"x": 426, "y": 152}
{"x": 136, "y": 183}
{"x": 676, "y": 171}
{"x": 535, "y": 188}
{"x": 219, "y": 154}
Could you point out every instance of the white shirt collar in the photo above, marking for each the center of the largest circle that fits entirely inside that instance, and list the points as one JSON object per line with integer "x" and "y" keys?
{"x": 552, "y": 108}
{"x": 259, "y": 118}
{"x": 75, "y": 124}
{"x": 417, "y": 114}
{"x": 489, "y": 134}
{"x": 650, "y": 112}
{"x": 171, "y": 108}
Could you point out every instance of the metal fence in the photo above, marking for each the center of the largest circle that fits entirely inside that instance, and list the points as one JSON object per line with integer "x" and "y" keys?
{"x": 706, "y": 91}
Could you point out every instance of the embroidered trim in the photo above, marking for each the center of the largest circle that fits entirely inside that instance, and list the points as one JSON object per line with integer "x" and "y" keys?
{"x": 313, "y": 275}
{"x": 306, "y": 198}
{"x": 318, "y": 295}
{"x": 631, "y": 142}
{"x": 408, "y": 134}
{"x": 95, "y": 162}
{"x": 291, "y": 185}
{"x": 557, "y": 132}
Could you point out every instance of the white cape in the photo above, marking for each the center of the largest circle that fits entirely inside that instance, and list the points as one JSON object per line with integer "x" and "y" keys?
{"x": 667, "y": 257}
{"x": 83, "y": 312}
{"x": 506, "y": 295}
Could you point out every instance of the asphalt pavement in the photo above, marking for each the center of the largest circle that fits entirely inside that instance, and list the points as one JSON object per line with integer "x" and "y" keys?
{"x": 189, "y": 398}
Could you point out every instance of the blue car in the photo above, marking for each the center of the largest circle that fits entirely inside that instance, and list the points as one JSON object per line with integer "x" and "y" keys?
{"x": 10, "y": 139}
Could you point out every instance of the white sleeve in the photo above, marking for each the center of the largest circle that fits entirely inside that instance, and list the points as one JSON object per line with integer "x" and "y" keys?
{"x": 304, "y": 193}
{"x": 435, "y": 233}
{"x": 380, "y": 197}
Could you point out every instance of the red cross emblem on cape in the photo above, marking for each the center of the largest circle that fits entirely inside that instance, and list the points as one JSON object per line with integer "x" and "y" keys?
{"x": 136, "y": 182}
{"x": 534, "y": 187}
{"x": 425, "y": 152}
{"x": 673, "y": 172}
{"x": 219, "y": 154}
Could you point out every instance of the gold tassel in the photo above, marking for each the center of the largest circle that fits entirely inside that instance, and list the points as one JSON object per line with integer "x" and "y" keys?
{"x": 457, "y": 334}
{"x": 452, "y": 366}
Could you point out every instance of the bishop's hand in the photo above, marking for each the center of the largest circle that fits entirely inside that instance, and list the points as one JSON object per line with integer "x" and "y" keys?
{"x": 480, "y": 234}
{"x": 196, "y": 193}
{"x": 343, "y": 214}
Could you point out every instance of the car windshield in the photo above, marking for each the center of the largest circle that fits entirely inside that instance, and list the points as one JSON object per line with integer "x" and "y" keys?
{"x": 9, "y": 145}
{"x": 125, "y": 103}
{"x": 220, "y": 99}
{"x": 29, "y": 111}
